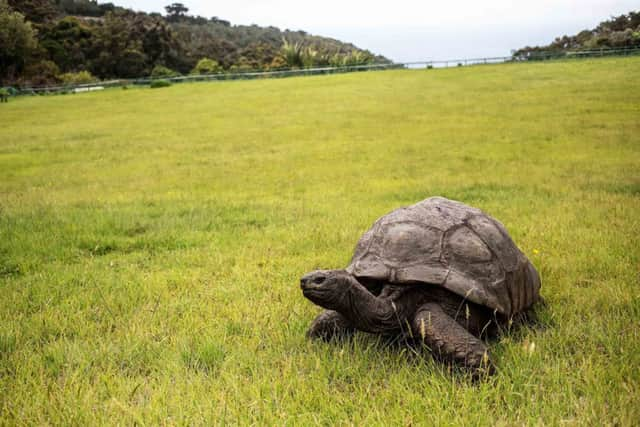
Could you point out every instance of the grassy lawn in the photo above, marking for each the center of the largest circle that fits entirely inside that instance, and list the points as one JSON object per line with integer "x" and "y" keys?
{"x": 151, "y": 243}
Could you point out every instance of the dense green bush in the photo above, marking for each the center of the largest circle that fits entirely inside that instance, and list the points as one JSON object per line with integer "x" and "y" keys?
{"x": 206, "y": 66}
{"x": 293, "y": 54}
{"x": 11, "y": 90}
{"x": 278, "y": 62}
{"x": 159, "y": 83}
{"x": 132, "y": 64}
{"x": 42, "y": 73}
{"x": 240, "y": 68}
{"x": 79, "y": 78}
{"x": 162, "y": 72}
{"x": 17, "y": 40}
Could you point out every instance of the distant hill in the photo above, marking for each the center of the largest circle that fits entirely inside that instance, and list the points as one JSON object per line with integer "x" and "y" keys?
{"x": 617, "y": 32}
{"x": 56, "y": 39}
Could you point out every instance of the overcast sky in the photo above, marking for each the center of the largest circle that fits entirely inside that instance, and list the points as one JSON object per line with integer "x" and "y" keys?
{"x": 412, "y": 30}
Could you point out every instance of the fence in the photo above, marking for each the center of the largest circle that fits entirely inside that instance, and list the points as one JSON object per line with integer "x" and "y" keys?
{"x": 532, "y": 56}
{"x": 247, "y": 75}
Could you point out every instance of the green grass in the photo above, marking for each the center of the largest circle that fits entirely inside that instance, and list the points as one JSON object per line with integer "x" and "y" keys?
{"x": 151, "y": 244}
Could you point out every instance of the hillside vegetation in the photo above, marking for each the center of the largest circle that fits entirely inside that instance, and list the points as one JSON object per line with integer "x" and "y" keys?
{"x": 47, "y": 42}
{"x": 618, "y": 32}
{"x": 152, "y": 242}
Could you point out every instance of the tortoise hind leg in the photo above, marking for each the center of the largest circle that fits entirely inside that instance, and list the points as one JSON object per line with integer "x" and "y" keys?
{"x": 328, "y": 325}
{"x": 449, "y": 340}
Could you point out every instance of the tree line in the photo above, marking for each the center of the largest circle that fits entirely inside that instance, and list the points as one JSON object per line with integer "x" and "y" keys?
{"x": 75, "y": 41}
{"x": 617, "y": 32}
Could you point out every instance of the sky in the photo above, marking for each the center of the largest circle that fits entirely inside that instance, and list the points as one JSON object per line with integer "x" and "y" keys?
{"x": 416, "y": 30}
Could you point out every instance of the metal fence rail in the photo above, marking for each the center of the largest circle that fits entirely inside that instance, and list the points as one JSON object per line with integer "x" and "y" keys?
{"x": 532, "y": 56}
{"x": 246, "y": 75}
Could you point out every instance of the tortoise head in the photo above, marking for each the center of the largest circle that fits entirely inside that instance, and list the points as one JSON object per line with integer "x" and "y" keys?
{"x": 327, "y": 288}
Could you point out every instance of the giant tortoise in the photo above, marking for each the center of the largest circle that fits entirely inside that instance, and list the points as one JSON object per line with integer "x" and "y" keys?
{"x": 439, "y": 272}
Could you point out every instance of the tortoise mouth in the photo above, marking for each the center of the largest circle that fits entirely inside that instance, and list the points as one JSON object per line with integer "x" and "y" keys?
{"x": 315, "y": 290}
{"x": 305, "y": 286}
{"x": 315, "y": 294}
{"x": 309, "y": 288}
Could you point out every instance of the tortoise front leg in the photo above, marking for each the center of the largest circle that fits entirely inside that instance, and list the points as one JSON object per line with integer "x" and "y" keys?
{"x": 328, "y": 325}
{"x": 449, "y": 340}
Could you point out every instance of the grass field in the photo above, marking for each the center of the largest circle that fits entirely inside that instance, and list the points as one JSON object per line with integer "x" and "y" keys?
{"x": 151, "y": 243}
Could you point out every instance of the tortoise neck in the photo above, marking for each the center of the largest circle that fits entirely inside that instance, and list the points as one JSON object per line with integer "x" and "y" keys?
{"x": 368, "y": 312}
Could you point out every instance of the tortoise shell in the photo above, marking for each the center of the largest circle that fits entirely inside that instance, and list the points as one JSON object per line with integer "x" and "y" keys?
{"x": 447, "y": 243}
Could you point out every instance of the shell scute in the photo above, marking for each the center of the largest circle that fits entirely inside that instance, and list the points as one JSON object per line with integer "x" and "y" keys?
{"x": 405, "y": 243}
{"x": 497, "y": 239}
{"x": 442, "y": 213}
{"x": 463, "y": 244}
{"x": 370, "y": 265}
{"x": 435, "y": 273}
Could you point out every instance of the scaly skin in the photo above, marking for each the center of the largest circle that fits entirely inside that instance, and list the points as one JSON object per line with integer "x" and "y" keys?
{"x": 329, "y": 325}
{"x": 442, "y": 320}
{"x": 448, "y": 340}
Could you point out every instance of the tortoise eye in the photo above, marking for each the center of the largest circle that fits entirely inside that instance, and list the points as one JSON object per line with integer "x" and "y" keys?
{"x": 318, "y": 280}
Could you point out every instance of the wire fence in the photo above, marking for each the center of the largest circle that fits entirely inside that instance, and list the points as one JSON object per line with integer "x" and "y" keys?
{"x": 249, "y": 75}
